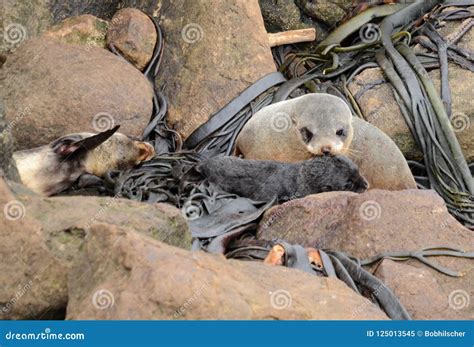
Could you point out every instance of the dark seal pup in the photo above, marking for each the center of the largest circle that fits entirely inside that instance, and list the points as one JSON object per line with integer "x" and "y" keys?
{"x": 50, "y": 169}
{"x": 263, "y": 180}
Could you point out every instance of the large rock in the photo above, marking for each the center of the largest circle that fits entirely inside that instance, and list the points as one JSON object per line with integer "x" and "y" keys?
{"x": 123, "y": 275}
{"x": 32, "y": 280}
{"x": 60, "y": 215}
{"x": 81, "y": 30}
{"x": 134, "y": 35}
{"x": 418, "y": 290}
{"x": 43, "y": 236}
{"x": 379, "y": 159}
{"x": 70, "y": 88}
{"x": 208, "y": 63}
{"x": 364, "y": 225}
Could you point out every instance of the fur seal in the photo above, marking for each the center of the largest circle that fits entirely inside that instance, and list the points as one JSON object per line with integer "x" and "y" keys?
{"x": 50, "y": 169}
{"x": 262, "y": 180}
{"x": 297, "y": 129}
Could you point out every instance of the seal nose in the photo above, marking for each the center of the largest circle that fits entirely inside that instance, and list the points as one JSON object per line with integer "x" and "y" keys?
{"x": 326, "y": 150}
{"x": 363, "y": 185}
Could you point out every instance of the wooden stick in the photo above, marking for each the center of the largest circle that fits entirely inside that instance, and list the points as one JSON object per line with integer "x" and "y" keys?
{"x": 291, "y": 36}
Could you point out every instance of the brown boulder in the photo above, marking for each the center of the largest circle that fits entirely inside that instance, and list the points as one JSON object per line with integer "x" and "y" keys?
{"x": 379, "y": 159}
{"x": 140, "y": 278}
{"x": 82, "y": 30}
{"x": 60, "y": 215}
{"x": 365, "y": 225}
{"x": 133, "y": 34}
{"x": 71, "y": 88}
{"x": 208, "y": 62}
{"x": 33, "y": 282}
{"x": 42, "y": 237}
{"x": 419, "y": 291}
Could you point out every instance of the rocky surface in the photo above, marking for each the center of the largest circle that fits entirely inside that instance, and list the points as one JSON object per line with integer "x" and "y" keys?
{"x": 145, "y": 279}
{"x": 220, "y": 74}
{"x": 327, "y": 12}
{"x": 281, "y": 15}
{"x": 7, "y": 165}
{"x": 61, "y": 9}
{"x": 418, "y": 290}
{"x": 28, "y": 19}
{"x": 22, "y": 20}
{"x": 379, "y": 159}
{"x": 134, "y": 35}
{"x": 364, "y": 225}
{"x": 92, "y": 89}
{"x": 33, "y": 281}
{"x": 62, "y": 215}
{"x": 42, "y": 237}
{"x": 85, "y": 30}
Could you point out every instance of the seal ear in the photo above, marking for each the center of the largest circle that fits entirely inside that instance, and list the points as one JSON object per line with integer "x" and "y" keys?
{"x": 71, "y": 147}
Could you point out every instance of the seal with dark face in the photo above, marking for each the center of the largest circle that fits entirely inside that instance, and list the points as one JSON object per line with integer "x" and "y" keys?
{"x": 263, "y": 180}
{"x": 297, "y": 129}
{"x": 50, "y": 169}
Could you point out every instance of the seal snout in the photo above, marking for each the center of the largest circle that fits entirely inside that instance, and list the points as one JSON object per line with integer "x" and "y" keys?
{"x": 361, "y": 185}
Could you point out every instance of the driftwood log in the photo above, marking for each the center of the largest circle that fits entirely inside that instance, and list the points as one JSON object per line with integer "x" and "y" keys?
{"x": 291, "y": 36}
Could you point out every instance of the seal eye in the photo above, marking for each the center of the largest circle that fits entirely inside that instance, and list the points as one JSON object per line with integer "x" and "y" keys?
{"x": 341, "y": 132}
{"x": 349, "y": 186}
{"x": 306, "y": 134}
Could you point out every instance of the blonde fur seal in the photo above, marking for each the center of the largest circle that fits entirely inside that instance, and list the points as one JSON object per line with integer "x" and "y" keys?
{"x": 297, "y": 129}
{"x": 50, "y": 169}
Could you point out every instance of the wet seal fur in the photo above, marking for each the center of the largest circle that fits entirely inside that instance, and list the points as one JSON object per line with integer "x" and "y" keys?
{"x": 262, "y": 180}
{"x": 50, "y": 169}
{"x": 297, "y": 129}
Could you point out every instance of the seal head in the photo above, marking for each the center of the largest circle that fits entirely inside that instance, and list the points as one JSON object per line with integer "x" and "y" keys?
{"x": 298, "y": 129}
{"x": 50, "y": 169}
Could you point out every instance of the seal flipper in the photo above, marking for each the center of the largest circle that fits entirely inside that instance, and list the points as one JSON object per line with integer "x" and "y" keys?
{"x": 69, "y": 147}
